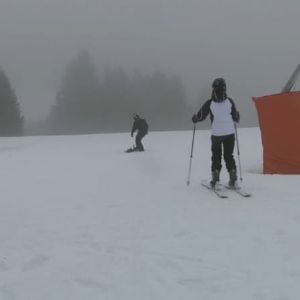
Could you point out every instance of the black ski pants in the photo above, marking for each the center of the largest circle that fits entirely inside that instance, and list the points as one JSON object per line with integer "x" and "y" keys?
{"x": 227, "y": 143}
{"x": 138, "y": 141}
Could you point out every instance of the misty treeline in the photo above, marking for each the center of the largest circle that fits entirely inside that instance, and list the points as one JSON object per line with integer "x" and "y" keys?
{"x": 94, "y": 101}
{"x": 88, "y": 102}
{"x": 11, "y": 120}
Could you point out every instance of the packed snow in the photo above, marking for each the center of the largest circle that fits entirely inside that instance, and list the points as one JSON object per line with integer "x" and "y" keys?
{"x": 81, "y": 219}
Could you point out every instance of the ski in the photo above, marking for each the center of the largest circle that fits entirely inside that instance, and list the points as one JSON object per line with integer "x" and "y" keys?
{"x": 218, "y": 190}
{"x": 239, "y": 190}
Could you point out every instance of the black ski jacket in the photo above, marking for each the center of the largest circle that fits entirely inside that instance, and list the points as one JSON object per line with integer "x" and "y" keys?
{"x": 139, "y": 125}
{"x": 205, "y": 111}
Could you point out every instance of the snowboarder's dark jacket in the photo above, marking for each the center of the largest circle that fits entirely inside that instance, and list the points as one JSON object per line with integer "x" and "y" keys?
{"x": 139, "y": 125}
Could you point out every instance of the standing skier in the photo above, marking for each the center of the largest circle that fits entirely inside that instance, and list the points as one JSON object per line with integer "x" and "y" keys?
{"x": 223, "y": 115}
{"x": 140, "y": 125}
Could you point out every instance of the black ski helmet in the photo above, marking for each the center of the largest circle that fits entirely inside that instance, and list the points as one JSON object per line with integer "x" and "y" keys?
{"x": 219, "y": 84}
{"x": 219, "y": 90}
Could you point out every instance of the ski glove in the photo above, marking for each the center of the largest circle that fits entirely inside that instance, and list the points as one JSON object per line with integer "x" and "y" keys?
{"x": 236, "y": 117}
{"x": 195, "y": 119}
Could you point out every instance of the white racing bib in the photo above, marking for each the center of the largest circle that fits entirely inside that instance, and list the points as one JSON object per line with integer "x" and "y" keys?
{"x": 223, "y": 123}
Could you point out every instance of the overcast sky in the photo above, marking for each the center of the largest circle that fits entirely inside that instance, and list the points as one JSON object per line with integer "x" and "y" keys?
{"x": 253, "y": 44}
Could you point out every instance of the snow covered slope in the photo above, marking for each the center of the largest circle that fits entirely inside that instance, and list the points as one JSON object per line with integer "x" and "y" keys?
{"x": 80, "y": 219}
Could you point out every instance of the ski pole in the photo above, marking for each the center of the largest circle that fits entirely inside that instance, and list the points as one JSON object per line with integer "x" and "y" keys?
{"x": 238, "y": 151}
{"x": 190, "y": 165}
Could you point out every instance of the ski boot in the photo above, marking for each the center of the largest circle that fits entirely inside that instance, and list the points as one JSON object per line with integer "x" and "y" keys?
{"x": 215, "y": 177}
{"x": 232, "y": 178}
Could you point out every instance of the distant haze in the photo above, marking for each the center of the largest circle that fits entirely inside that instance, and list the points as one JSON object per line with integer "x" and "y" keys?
{"x": 253, "y": 44}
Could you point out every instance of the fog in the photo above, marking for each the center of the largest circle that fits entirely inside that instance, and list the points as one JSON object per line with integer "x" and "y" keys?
{"x": 253, "y": 44}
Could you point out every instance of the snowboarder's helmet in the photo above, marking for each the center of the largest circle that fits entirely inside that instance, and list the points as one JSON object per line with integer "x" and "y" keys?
{"x": 219, "y": 84}
{"x": 136, "y": 116}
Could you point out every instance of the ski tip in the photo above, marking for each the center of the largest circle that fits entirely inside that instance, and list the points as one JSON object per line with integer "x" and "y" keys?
{"x": 239, "y": 190}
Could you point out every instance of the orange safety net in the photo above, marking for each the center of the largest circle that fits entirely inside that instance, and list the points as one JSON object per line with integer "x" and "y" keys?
{"x": 279, "y": 120}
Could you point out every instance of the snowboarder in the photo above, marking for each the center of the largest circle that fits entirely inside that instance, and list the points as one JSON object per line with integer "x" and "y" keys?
{"x": 223, "y": 115}
{"x": 140, "y": 125}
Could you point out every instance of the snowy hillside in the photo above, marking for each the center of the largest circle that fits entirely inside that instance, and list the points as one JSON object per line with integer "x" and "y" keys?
{"x": 80, "y": 219}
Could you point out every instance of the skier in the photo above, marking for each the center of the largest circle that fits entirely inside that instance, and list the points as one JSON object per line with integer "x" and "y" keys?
{"x": 140, "y": 125}
{"x": 223, "y": 115}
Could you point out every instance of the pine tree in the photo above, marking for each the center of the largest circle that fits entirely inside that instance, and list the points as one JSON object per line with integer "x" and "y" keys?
{"x": 11, "y": 121}
{"x": 76, "y": 109}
